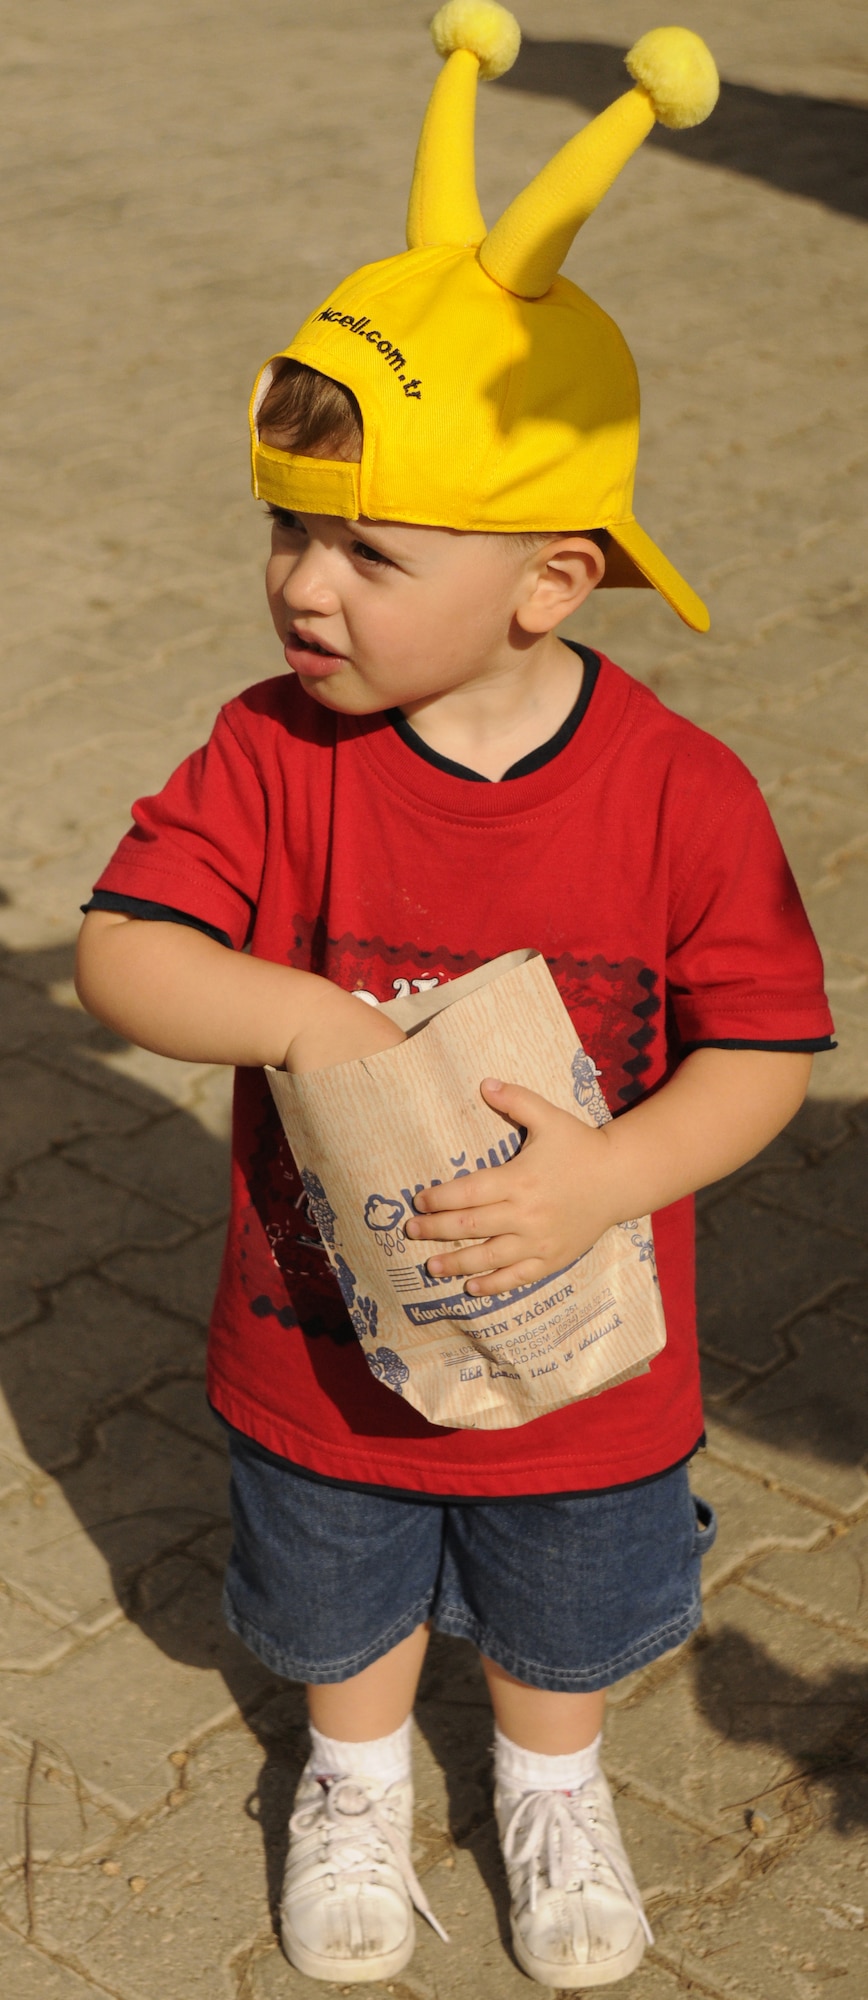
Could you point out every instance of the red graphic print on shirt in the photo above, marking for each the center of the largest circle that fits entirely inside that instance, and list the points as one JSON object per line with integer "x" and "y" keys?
{"x": 613, "y": 1007}
{"x": 617, "y": 1006}
{"x": 369, "y": 965}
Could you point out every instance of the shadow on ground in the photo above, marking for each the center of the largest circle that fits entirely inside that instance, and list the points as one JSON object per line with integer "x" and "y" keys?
{"x": 802, "y": 145}
{"x": 109, "y": 1205}
{"x": 818, "y": 1725}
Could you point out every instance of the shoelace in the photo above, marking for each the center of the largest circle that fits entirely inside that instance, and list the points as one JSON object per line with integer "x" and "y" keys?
{"x": 353, "y": 1822}
{"x": 560, "y": 1825}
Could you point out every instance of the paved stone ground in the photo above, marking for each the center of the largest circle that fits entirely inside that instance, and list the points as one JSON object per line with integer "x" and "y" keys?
{"x": 181, "y": 183}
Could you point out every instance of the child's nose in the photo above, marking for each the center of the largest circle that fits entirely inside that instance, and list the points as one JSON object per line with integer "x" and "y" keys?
{"x": 308, "y": 584}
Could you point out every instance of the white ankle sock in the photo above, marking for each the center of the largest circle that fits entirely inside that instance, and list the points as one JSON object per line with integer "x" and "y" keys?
{"x": 530, "y": 1771}
{"x": 385, "y": 1760}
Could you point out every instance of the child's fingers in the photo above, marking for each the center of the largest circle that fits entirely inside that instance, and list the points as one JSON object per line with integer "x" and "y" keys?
{"x": 460, "y": 1222}
{"x": 469, "y": 1262}
{"x": 524, "y": 1108}
{"x": 509, "y": 1278}
{"x": 466, "y": 1191}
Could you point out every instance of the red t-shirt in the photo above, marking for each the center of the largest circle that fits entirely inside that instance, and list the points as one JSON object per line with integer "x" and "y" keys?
{"x": 641, "y": 860}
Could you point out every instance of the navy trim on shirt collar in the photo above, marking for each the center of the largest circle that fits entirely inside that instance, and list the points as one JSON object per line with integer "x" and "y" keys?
{"x": 535, "y": 759}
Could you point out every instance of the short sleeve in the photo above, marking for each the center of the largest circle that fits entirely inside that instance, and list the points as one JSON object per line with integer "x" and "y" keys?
{"x": 199, "y": 844}
{"x": 743, "y": 965}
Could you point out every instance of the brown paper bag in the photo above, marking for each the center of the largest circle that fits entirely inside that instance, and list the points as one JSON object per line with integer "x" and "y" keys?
{"x": 369, "y": 1135}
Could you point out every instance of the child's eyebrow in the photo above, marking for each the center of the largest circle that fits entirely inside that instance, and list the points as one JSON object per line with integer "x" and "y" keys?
{"x": 384, "y": 536}
{"x": 362, "y": 528}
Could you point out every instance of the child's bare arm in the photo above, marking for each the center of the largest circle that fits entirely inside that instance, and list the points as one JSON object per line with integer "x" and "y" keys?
{"x": 172, "y": 989}
{"x": 570, "y": 1181}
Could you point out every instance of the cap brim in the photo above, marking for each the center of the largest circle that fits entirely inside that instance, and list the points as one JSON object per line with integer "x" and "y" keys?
{"x": 634, "y": 561}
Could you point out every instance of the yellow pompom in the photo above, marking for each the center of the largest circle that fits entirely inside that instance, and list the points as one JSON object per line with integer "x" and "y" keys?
{"x": 679, "y": 74}
{"x": 483, "y": 29}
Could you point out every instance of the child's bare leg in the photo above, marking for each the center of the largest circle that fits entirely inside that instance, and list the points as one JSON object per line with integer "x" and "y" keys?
{"x": 552, "y": 1724}
{"x": 375, "y": 1702}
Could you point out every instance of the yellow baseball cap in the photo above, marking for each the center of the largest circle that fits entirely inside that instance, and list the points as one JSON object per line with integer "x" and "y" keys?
{"x": 495, "y": 395}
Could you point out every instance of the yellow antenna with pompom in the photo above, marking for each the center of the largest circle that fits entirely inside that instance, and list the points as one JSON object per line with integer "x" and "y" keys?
{"x": 477, "y": 38}
{"x": 676, "y": 82}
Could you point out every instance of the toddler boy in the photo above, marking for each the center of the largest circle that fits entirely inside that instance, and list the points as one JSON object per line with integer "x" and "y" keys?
{"x": 440, "y": 779}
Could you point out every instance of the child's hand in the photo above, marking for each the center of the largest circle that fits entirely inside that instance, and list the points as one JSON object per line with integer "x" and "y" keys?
{"x": 571, "y": 1182}
{"x": 531, "y": 1217}
{"x": 342, "y": 1029}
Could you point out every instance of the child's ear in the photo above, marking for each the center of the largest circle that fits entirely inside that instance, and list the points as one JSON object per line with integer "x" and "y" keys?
{"x": 559, "y": 577}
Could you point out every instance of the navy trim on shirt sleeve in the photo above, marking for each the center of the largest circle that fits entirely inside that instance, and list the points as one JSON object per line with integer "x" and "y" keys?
{"x": 153, "y": 913}
{"x": 813, "y": 1045}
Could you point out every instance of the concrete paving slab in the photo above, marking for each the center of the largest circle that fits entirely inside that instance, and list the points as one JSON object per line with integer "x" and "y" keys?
{"x": 673, "y": 1862}
{"x": 751, "y": 1518}
{"x": 31, "y": 1974}
{"x": 50, "y": 1562}
{"x": 30, "y": 1642}
{"x": 140, "y": 1077}
{"x": 783, "y": 1262}
{"x": 781, "y": 765}
{"x": 830, "y": 1583}
{"x": 761, "y": 1701}
{"x": 168, "y": 1490}
{"x": 166, "y": 1924}
{"x": 791, "y": 1931}
{"x": 46, "y": 1811}
{"x": 17, "y": 1470}
{"x": 89, "y": 794}
{"x": 805, "y": 1425}
{"x": 831, "y": 1193}
{"x": 172, "y": 1161}
{"x": 663, "y": 1750}
{"x": 184, "y": 1280}
{"x": 60, "y": 1221}
{"x": 775, "y": 1680}
{"x": 183, "y": 1404}
{"x": 40, "y": 1111}
{"x": 25, "y": 1013}
{"x": 95, "y": 1345}
{"x": 119, "y": 1707}
{"x": 31, "y": 676}
{"x": 210, "y": 664}
{"x": 72, "y": 1551}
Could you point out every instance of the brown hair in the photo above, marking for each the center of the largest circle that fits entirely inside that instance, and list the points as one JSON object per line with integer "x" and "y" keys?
{"x": 310, "y": 413}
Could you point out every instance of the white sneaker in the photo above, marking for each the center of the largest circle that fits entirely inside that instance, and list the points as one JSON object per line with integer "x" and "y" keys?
{"x": 350, "y": 1886}
{"x": 576, "y": 1915}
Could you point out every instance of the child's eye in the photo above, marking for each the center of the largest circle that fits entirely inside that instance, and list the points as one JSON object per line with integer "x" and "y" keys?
{"x": 367, "y": 554}
{"x": 290, "y": 523}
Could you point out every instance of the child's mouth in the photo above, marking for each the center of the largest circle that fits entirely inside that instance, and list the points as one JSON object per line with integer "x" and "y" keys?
{"x": 308, "y": 657}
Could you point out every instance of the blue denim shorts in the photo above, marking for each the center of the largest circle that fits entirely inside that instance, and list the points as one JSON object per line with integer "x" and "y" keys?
{"x": 565, "y": 1593}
